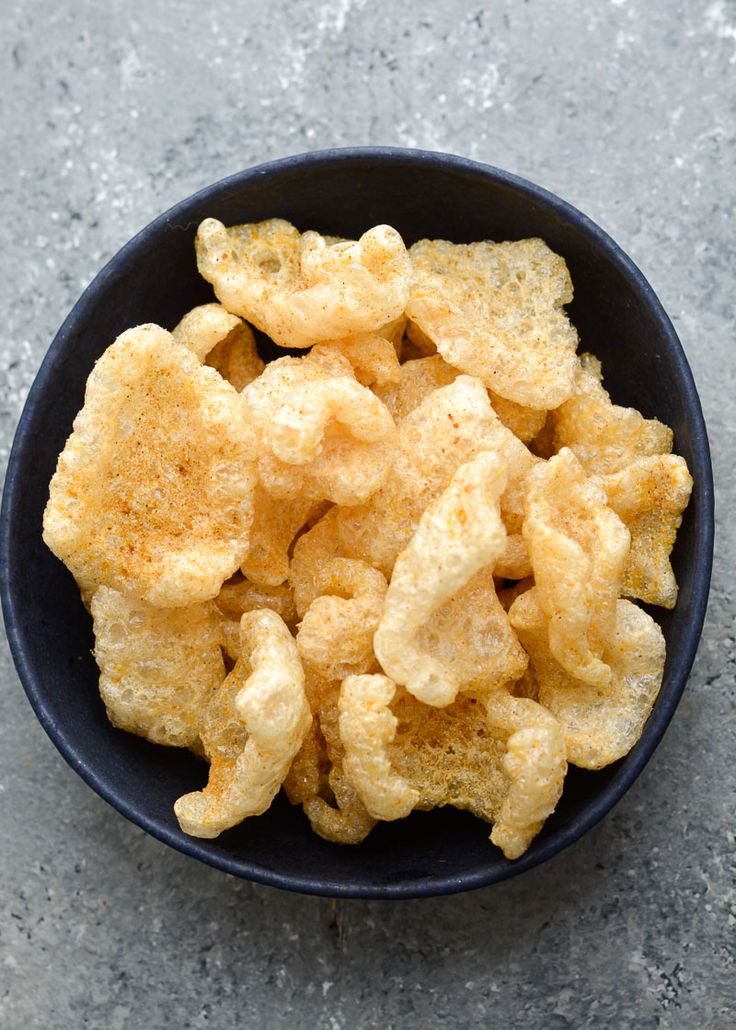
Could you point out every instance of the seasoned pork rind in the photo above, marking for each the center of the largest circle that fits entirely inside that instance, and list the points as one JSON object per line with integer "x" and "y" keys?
{"x": 603, "y": 436}
{"x": 650, "y": 496}
{"x": 301, "y": 289}
{"x": 240, "y": 595}
{"x": 202, "y": 328}
{"x": 578, "y": 549}
{"x": 153, "y": 492}
{"x": 494, "y": 310}
{"x": 458, "y": 534}
{"x": 335, "y": 638}
{"x": 600, "y": 724}
{"x": 223, "y": 340}
{"x": 254, "y": 726}
{"x": 323, "y": 435}
{"x": 158, "y": 667}
{"x": 276, "y": 522}
{"x": 373, "y": 358}
{"x": 449, "y": 427}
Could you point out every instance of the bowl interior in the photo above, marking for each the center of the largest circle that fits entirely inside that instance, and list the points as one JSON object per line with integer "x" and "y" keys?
{"x": 154, "y": 279}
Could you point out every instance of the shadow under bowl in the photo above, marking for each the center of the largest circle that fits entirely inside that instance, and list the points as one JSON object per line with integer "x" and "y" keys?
{"x": 154, "y": 279}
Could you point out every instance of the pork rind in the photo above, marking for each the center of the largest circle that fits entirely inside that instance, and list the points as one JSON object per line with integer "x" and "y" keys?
{"x": 451, "y": 426}
{"x": 202, "y": 328}
{"x": 324, "y": 436}
{"x": 650, "y": 496}
{"x": 158, "y": 667}
{"x": 240, "y": 595}
{"x": 536, "y": 764}
{"x": 335, "y": 637}
{"x": 224, "y": 340}
{"x": 578, "y": 550}
{"x": 599, "y": 724}
{"x": 153, "y": 492}
{"x": 459, "y": 533}
{"x": 604, "y": 437}
{"x": 373, "y": 358}
{"x": 494, "y": 310}
{"x": 301, "y": 289}
{"x": 254, "y": 726}
{"x": 276, "y": 522}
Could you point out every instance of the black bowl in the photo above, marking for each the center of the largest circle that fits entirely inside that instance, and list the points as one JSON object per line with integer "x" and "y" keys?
{"x": 154, "y": 279}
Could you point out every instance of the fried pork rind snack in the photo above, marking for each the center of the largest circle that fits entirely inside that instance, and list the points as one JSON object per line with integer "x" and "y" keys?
{"x": 224, "y": 340}
{"x": 202, "y": 328}
{"x": 253, "y": 728}
{"x": 335, "y": 637}
{"x": 536, "y": 764}
{"x": 373, "y": 358}
{"x": 158, "y": 667}
{"x": 239, "y": 595}
{"x": 276, "y": 522}
{"x": 153, "y": 492}
{"x": 323, "y": 435}
{"x": 302, "y": 289}
{"x": 603, "y": 436}
{"x": 599, "y": 724}
{"x": 650, "y": 496}
{"x": 494, "y": 310}
{"x": 459, "y": 533}
{"x": 578, "y": 550}
{"x": 451, "y": 426}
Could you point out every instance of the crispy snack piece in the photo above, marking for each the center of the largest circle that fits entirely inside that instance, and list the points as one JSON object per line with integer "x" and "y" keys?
{"x": 202, "y": 328}
{"x": 600, "y": 724}
{"x": 451, "y": 426}
{"x": 459, "y": 533}
{"x": 373, "y": 358}
{"x": 239, "y": 595}
{"x": 494, "y": 310}
{"x": 536, "y": 764}
{"x": 604, "y": 437}
{"x": 335, "y": 637}
{"x": 153, "y": 492}
{"x": 324, "y": 436}
{"x": 301, "y": 289}
{"x": 578, "y": 550}
{"x": 523, "y": 422}
{"x": 276, "y": 522}
{"x": 650, "y": 496}
{"x": 254, "y": 726}
{"x": 158, "y": 667}
{"x": 507, "y": 595}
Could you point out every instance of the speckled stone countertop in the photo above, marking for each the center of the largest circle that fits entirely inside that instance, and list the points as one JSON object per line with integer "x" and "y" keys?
{"x": 111, "y": 112}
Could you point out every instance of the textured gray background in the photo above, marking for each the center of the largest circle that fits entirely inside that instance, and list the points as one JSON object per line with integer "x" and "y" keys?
{"x": 110, "y": 112}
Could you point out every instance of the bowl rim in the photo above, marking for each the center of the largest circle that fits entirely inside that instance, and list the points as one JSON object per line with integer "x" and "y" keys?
{"x": 658, "y": 721}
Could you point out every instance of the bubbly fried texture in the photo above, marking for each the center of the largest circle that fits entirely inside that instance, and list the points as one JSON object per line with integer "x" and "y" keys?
{"x": 650, "y": 496}
{"x": 323, "y": 435}
{"x": 202, "y": 328}
{"x": 603, "y": 436}
{"x": 153, "y": 492}
{"x": 253, "y": 728}
{"x": 494, "y": 310}
{"x": 458, "y": 534}
{"x": 301, "y": 289}
{"x": 373, "y": 358}
{"x": 335, "y": 637}
{"x": 599, "y": 724}
{"x": 276, "y": 522}
{"x": 536, "y": 764}
{"x": 158, "y": 667}
{"x": 236, "y": 357}
{"x": 578, "y": 550}
{"x": 239, "y": 595}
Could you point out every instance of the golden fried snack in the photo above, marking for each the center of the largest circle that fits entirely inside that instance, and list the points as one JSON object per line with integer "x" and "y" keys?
{"x": 578, "y": 549}
{"x": 650, "y": 496}
{"x": 604, "y": 437}
{"x": 276, "y": 522}
{"x": 600, "y": 724}
{"x": 335, "y": 637}
{"x": 323, "y": 435}
{"x": 449, "y": 427}
{"x": 253, "y": 728}
{"x": 300, "y": 290}
{"x": 153, "y": 492}
{"x": 536, "y": 764}
{"x": 202, "y": 328}
{"x": 494, "y": 310}
{"x": 458, "y": 534}
{"x": 419, "y": 378}
{"x": 158, "y": 667}
{"x": 373, "y": 358}
{"x": 239, "y": 595}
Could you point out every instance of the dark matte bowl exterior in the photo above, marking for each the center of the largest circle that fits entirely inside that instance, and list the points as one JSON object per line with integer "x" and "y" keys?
{"x": 154, "y": 279}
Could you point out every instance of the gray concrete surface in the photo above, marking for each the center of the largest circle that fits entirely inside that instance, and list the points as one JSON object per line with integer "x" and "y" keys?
{"x": 109, "y": 113}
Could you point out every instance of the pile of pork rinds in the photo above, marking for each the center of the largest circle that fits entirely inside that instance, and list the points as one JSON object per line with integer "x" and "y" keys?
{"x": 393, "y": 573}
